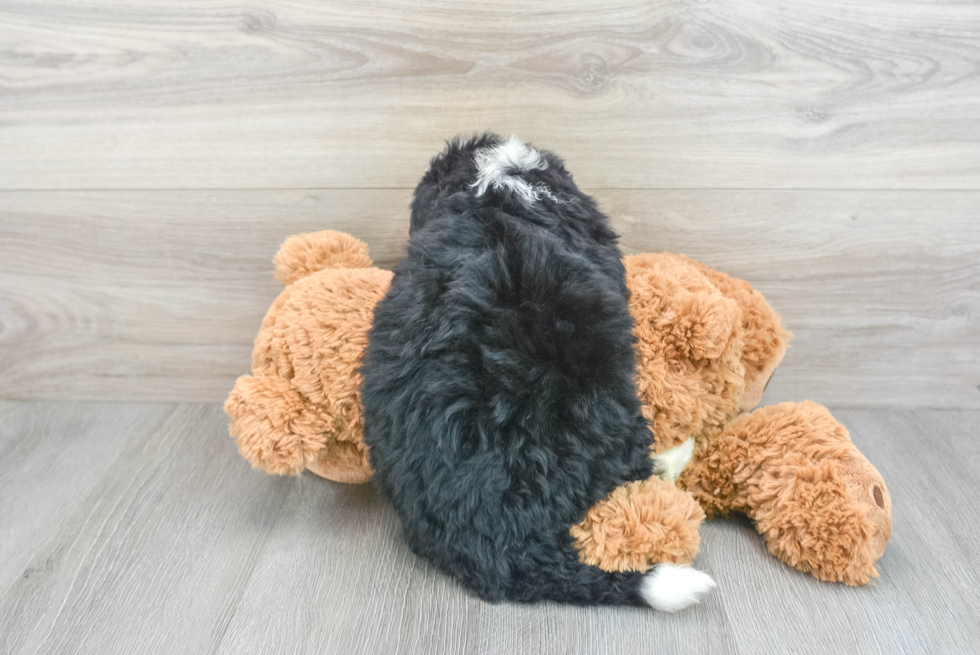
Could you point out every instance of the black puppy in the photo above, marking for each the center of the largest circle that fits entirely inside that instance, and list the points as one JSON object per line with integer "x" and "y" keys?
{"x": 498, "y": 393}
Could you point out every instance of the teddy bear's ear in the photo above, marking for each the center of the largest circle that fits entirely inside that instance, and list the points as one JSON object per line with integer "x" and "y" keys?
{"x": 303, "y": 254}
{"x": 703, "y": 324}
{"x": 675, "y": 306}
{"x": 764, "y": 339}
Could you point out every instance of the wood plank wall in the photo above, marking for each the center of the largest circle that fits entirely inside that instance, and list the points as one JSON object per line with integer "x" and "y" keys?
{"x": 153, "y": 154}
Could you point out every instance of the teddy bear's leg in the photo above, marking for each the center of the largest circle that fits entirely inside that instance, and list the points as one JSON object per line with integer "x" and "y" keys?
{"x": 278, "y": 430}
{"x": 342, "y": 461}
{"x": 818, "y": 502}
{"x": 638, "y": 525}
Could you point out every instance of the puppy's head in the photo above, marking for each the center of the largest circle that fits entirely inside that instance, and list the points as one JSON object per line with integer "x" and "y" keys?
{"x": 489, "y": 166}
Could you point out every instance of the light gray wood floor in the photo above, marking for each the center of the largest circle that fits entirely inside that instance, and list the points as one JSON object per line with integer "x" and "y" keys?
{"x": 130, "y": 528}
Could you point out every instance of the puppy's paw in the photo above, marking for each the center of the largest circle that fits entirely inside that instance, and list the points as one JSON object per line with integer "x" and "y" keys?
{"x": 672, "y": 587}
{"x": 669, "y": 464}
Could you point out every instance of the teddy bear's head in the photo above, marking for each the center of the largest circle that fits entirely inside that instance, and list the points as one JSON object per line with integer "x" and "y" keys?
{"x": 706, "y": 345}
{"x": 301, "y": 405}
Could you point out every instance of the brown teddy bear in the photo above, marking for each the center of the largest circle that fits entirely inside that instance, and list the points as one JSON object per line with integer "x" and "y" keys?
{"x": 707, "y": 345}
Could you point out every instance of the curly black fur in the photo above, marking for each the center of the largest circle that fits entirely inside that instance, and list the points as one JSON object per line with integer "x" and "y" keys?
{"x": 498, "y": 392}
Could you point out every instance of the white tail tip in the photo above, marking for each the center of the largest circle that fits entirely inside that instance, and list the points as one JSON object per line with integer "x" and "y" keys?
{"x": 672, "y": 587}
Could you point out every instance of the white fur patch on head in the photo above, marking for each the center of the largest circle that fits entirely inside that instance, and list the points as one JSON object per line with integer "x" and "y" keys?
{"x": 502, "y": 166}
{"x": 672, "y": 587}
{"x": 669, "y": 464}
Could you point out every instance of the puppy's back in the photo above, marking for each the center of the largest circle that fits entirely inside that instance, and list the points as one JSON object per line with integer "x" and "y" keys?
{"x": 498, "y": 393}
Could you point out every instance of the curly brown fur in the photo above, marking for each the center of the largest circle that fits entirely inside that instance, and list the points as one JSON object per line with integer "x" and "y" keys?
{"x": 303, "y": 254}
{"x": 764, "y": 339}
{"x": 639, "y": 524}
{"x": 301, "y": 405}
{"x": 820, "y": 505}
{"x": 690, "y": 375}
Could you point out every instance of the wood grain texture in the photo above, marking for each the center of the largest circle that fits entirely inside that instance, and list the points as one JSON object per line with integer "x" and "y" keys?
{"x": 162, "y": 539}
{"x": 146, "y": 551}
{"x": 880, "y": 289}
{"x": 141, "y": 295}
{"x": 674, "y": 94}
